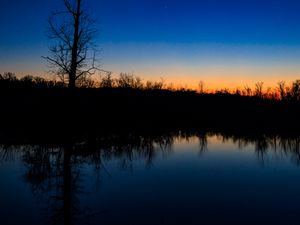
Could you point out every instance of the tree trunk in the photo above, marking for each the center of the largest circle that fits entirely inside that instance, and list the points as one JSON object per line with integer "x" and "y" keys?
{"x": 72, "y": 80}
{"x": 72, "y": 74}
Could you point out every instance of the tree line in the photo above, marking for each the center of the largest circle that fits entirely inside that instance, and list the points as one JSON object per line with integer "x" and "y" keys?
{"x": 283, "y": 90}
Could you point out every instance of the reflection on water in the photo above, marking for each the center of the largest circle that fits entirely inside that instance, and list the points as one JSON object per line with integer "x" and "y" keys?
{"x": 167, "y": 179}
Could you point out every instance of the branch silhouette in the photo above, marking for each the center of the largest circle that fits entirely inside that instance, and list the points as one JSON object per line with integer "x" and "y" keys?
{"x": 73, "y": 56}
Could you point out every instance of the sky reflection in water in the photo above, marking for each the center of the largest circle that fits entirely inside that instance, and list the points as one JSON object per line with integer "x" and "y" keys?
{"x": 166, "y": 180}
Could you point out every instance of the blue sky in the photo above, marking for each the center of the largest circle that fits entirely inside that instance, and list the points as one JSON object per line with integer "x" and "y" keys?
{"x": 223, "y": 42}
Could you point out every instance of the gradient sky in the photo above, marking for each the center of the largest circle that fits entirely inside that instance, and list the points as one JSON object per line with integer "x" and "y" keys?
{"x": 225, "y": 43}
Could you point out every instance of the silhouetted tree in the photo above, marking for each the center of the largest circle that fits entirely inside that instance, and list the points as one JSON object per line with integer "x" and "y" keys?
{"x": 282, "y": 89}
{"x": 201, "y": 87}
{"x": 126, "y": 80}
{"x": 247, "y": 91}
{"x": 295, "y": 90}
{"x": 107, "y": 81}
{"x": 156, "y": 85}
{"x": 259, "y": 89}
{"x": 73, "y": 56}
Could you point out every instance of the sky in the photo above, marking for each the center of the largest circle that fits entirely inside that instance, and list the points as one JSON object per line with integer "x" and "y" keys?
{"x": 225, "y": 43}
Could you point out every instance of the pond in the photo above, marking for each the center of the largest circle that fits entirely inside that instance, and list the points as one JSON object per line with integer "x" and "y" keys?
{"x": 167, "y": 179}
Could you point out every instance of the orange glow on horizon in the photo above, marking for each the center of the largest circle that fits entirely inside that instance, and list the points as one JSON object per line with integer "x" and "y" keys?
{"x": 214, "y": 76}
{"x": 189, "y": 77}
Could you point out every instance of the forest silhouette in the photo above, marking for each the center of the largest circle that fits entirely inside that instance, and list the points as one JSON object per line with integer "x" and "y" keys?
{"x": 34, "y": 107}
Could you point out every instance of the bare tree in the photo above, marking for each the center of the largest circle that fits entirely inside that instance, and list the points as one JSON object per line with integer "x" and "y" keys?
{"x": 259, "y": 89}
{"x": 72, "y": 57}
{"x": 282, "y": 89}
{"x": 201, "y": 87}
{"x": 107, "y": 81}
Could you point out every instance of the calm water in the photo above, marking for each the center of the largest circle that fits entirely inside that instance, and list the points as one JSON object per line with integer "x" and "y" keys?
{"x": 163, "y": 180}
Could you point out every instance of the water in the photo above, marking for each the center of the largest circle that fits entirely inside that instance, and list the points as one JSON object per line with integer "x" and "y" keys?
{"x": 173, "y": 179}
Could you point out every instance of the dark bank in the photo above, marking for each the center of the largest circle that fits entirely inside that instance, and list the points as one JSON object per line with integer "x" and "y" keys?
{"x": 63, "y": 113}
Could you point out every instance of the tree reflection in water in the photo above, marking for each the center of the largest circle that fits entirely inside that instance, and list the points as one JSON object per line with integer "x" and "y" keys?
{"x": 284, "y": 146}
{"x": 55, "y": 172}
